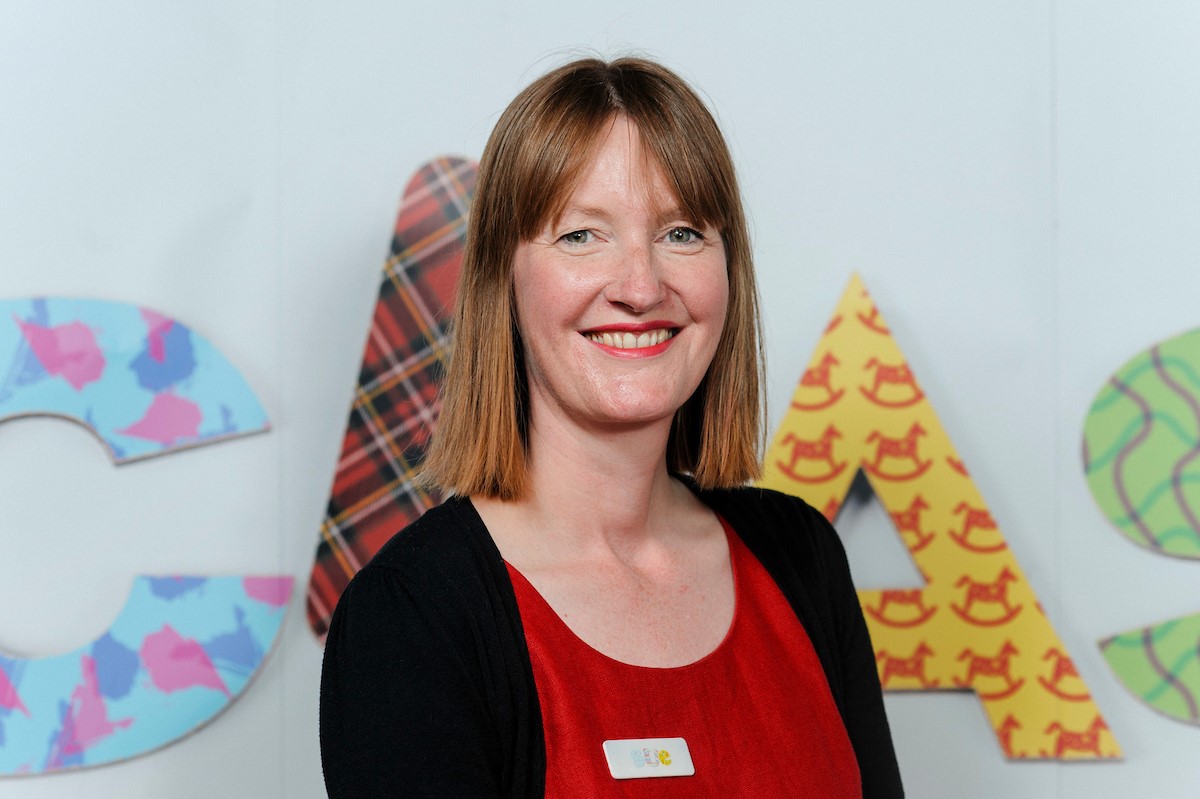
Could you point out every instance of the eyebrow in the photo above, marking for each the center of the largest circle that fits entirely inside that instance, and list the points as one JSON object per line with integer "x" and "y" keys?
{"x": 675, "y": 213}
{"x": 581, "y": 210}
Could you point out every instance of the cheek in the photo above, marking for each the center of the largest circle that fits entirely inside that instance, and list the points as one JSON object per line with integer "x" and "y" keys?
{"x": 522, "y": 286}
{"x": 710, "y": 286}
{"x": 711, "y": 309}
{"x": 534, "y": 308}
{"x": 529, "y": 279}
{"x": 722, "y": 299}
{"x": 712, "y": 299}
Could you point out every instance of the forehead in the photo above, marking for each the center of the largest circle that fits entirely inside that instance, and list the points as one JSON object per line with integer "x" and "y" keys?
{"x": 619, "y": 173}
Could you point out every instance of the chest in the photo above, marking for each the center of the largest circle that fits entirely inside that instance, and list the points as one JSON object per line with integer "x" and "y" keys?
{"x": 731, "y": 714}
{"x": 669, "y": 619}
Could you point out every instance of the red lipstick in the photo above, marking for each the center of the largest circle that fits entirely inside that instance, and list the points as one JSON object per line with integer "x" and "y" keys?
{"x": 632, "y": 327}
{"x": 618, "y": 332}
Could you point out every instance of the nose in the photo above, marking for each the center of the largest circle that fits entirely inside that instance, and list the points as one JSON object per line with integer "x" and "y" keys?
{"x": 637, "y": 280}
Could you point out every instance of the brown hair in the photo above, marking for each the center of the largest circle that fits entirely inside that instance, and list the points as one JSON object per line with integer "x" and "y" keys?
{"x": 530, "y": 166}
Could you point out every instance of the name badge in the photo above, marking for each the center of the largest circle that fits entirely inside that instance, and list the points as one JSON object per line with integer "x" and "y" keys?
{"x": 639, "y": 758}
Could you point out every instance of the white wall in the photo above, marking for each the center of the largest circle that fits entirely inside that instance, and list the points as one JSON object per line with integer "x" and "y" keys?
{"x": 1016, "y": 182}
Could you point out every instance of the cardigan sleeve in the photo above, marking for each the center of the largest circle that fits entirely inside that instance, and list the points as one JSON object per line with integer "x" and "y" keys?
{"x": 401, "y": 713}
{"x": 862, "y": 697}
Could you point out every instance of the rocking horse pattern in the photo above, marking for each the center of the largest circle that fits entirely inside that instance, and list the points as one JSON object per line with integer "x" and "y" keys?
{"x": 976, "y": 625}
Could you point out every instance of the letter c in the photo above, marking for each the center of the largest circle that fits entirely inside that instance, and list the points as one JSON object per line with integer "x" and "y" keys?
{"x": 183, "y": 647}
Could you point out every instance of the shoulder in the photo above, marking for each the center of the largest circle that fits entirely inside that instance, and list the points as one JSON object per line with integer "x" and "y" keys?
{"x": 445, "y": 530}
{"x": 442, "y": 567}
{"x": 754, "y": 499}
{"x": 424, "y": 655}
{"x": 774, "y": 520}
{"x": 798, "y": 547}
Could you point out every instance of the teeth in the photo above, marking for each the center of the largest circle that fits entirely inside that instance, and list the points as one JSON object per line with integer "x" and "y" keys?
{"x": 630, "y": 341}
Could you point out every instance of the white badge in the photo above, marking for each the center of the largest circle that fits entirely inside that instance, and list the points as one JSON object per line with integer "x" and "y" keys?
{"x": 636, "y": 758}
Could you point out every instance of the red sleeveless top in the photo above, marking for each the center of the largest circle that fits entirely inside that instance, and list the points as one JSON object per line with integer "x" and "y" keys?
{"x": 756, "y": 712}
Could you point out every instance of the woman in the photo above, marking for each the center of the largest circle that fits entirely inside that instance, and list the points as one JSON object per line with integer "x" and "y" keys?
{"x": 600, "y": 602}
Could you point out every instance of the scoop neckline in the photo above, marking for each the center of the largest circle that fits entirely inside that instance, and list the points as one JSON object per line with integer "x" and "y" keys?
{"x": 731, "y": 541}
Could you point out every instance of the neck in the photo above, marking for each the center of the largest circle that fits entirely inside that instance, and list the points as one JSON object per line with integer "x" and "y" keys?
{"x": 588, "y": 482}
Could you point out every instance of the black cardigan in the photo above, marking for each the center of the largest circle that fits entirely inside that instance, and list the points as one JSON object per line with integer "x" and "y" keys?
{"x": 427, "y": 689}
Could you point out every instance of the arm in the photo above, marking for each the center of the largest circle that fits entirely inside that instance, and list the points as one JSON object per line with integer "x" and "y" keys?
{"x": 401, "y": 712}
{"x": 862, "y": 697}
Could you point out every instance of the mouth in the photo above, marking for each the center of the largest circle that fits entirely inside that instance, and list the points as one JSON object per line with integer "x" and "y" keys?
{"x": 629, "y": 340}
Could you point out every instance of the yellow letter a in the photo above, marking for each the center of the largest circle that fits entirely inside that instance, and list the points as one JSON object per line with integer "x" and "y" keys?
{"x": 977, "y": 624}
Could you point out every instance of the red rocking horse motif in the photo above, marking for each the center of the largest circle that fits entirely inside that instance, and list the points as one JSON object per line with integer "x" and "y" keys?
{"x": 975, "y": 519}
{"x": 908, "y": 523}
{"x": 998, "y": 666}
{"x": 990, "y": 594}
{"x": 1062, "y": 669}
{"x": 904, "y": 598}
{"x": 871, "y": 321}
{"x": 903, "y": 449}
{"x": 1005, "y": 732}
{"x": 911, "y": 667}
{"x": 891, "y": 378}
{"x": 820, "y": 451}
{"x": 817, "y": 377}
{"x": 1085, "y": 741}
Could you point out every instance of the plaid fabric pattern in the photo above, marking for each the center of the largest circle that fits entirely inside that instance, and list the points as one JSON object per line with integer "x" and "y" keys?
{"x": 396, "y": 401}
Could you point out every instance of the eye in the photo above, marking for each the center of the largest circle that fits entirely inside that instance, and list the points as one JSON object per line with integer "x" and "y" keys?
{"x": 577, "y": 237}
{"x": 684, "y": 235}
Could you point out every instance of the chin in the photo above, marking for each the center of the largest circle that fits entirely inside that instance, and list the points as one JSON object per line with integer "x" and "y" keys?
{"x": 640, "y": 413}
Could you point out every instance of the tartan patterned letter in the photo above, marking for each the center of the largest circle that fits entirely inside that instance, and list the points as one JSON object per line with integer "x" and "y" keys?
{"x": 395, "y": 403}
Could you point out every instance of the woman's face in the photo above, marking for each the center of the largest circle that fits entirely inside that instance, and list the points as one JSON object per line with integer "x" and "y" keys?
{"x": 620, "y": 302}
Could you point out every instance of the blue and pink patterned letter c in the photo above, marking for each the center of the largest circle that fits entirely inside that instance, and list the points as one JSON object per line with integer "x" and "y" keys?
{"x": 183, "y": 647}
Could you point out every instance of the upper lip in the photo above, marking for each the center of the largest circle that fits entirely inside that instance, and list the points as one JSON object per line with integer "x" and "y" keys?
{"x": 632, "y": 327}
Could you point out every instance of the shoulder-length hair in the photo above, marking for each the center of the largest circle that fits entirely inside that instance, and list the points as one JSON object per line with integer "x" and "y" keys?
{"x": 530, "y": 166}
